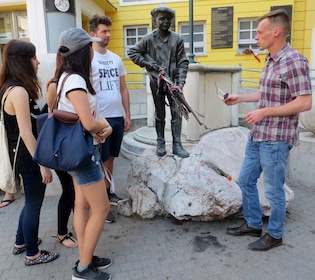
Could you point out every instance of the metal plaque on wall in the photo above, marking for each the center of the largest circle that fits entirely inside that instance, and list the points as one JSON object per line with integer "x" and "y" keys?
{"x": 222, "y": 27}
{"x": 63, "y": 6}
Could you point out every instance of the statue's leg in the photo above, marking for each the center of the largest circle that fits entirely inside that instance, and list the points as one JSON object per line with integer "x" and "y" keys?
{"x": 159, "y": 127}
{"x": 159, "y": 103}
{"x": 176, "y": 126}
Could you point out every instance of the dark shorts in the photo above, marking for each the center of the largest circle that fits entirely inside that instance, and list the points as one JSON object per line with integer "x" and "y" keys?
{"x": 111, "y": 147}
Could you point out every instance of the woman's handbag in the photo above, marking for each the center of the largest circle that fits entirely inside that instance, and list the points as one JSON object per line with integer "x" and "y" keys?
{"x": 63, "y": 143}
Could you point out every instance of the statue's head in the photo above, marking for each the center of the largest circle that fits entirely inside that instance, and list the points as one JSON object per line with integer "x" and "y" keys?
{"x": 162, "y": 9}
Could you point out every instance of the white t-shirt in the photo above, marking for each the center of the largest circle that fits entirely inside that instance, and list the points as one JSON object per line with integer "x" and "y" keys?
{"x": 105, "y": 77}
{"x": 75, "y": 82}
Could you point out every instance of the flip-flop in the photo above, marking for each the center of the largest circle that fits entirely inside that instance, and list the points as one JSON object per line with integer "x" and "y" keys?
{"x": 7, "y": 201}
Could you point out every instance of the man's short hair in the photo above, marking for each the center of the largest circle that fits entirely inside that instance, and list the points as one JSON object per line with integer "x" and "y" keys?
{"x": 278, "y": 17}
{"x": 95, "y": 20}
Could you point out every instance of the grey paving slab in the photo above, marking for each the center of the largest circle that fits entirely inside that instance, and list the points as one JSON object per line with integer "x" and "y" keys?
{"x": 160, "y": 249}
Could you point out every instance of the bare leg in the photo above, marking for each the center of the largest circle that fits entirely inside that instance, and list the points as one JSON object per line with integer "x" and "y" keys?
{"x": 90, "y": 211}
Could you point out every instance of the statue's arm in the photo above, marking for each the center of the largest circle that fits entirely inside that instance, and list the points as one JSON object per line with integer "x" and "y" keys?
{"x": 139, "y": 55}
{"x": 182, "y": 64}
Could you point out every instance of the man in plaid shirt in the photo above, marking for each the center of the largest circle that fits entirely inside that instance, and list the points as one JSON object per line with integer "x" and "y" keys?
{"x": 285, "y": 90}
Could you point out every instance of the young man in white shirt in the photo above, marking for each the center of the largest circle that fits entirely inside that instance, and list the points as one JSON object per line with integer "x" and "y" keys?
{"x": 108, "y": 79}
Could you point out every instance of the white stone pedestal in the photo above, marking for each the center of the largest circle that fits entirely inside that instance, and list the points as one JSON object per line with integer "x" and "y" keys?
{"x": 301, "y": 165}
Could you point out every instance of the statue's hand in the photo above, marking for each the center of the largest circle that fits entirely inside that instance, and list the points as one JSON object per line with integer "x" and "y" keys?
{"x": 180, "y": 86}
{"x": 151, "y": 66}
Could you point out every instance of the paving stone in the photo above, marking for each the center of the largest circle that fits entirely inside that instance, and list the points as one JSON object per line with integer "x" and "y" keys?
{"x": 158, "y": 249}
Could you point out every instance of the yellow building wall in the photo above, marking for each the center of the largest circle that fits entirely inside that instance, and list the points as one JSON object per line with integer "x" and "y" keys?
{"x": 309, "y": 25}
{"x": 303, "y": 20}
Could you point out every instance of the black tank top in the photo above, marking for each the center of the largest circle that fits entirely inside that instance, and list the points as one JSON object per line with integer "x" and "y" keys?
{"x": 24, "y": 161}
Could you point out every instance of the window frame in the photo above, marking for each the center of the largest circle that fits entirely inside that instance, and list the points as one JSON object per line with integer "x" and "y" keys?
{"x": 137, "y": 36}
{"x": 252, "y": 43}
{"x": 201, "y": 44}
{"x": 14, "y": 20}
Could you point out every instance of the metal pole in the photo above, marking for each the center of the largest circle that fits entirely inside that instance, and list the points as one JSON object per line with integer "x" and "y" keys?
{"x": 191, "y": 32}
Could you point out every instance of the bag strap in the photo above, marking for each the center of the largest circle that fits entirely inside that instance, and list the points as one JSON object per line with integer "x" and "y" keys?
{"x": 56, "y": 101}
{"x": 15, "y": 154}
{"x": 109, "y": 177}
{"x": 2, "y": 120}
{"x": 4, "y": 97}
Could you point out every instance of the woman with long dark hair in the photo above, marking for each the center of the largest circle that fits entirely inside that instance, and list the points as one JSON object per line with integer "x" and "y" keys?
{"x": 19, "y": 91}
{"x": 66, "y": 201}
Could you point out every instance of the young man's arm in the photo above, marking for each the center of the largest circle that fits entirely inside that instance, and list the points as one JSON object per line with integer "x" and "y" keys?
{"x": 300, "y": 104}
{"x": 248, "y": 97}
{"x": 126, "y": 102}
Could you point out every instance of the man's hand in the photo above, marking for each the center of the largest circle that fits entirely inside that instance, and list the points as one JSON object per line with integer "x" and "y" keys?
{"x": 231, "y": 100}
{"x": 254, "y": 117}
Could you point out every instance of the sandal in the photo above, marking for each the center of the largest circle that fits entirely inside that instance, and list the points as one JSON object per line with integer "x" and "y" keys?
{"x": 44, "y": 257}
{"x": 66, "y": 237}
{"x": 6, "y": 202}
{"x": 19, "y": 250}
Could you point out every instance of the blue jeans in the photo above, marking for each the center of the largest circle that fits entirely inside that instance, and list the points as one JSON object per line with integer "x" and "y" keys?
{"x": 271, "y": 159}
{"x": 27, "y": 232}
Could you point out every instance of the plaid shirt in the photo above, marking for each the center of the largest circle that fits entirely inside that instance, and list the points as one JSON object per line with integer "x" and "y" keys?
{"x": 284, "y": 77}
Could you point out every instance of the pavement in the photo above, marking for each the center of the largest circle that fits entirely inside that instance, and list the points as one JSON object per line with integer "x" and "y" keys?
{"x": 165, "y": 249}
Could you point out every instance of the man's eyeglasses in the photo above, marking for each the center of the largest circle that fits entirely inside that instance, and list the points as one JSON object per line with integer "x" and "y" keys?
{"x": 223, "y": 95}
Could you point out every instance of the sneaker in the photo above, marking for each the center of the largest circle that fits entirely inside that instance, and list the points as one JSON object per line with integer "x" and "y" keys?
{"x": 44, "y": 257}
{"x": 114, "y": 199}
{"x": 99, "y": 263}
{"x": 90, "y": 273}
{"x": 110, "y": 218}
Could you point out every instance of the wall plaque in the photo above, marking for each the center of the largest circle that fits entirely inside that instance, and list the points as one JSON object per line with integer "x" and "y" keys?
{"x": 63, "y": 6}
{"x": 222, "y": 27}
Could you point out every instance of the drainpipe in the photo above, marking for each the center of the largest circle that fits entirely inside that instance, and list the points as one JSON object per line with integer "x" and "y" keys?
{"x": 191, "y": 32}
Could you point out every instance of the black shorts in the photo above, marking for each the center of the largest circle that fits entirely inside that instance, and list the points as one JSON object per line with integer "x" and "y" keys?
{"x": 111, "y": 147}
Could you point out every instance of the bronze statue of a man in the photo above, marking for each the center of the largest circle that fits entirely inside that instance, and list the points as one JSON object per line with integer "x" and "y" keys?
{"x": 163, "y": 48}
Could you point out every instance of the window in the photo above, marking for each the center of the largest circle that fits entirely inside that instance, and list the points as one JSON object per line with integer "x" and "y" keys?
{"x": 13, "y": 25}
{"x": 246, "y": 35}
{"x": 22, "y": 25}
{"x": 133, "y": 34}
{"x": 6, "y": 32}
{"x": 199, "y": 37}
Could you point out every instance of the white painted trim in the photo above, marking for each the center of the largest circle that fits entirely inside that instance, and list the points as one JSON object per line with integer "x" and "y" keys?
{"x": 12, "y": 2}
{"x": 87, "y": 8}
{"x": 37, "y": 25}
{"x": 312, "y": 59}
{"x": 144, "y": 2}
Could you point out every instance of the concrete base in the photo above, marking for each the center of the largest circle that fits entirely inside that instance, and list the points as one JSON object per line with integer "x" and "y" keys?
{"x": 301, "y": 163}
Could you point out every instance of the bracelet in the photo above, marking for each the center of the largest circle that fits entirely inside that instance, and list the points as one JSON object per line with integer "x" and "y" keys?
{"x": 107, "y": 126}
